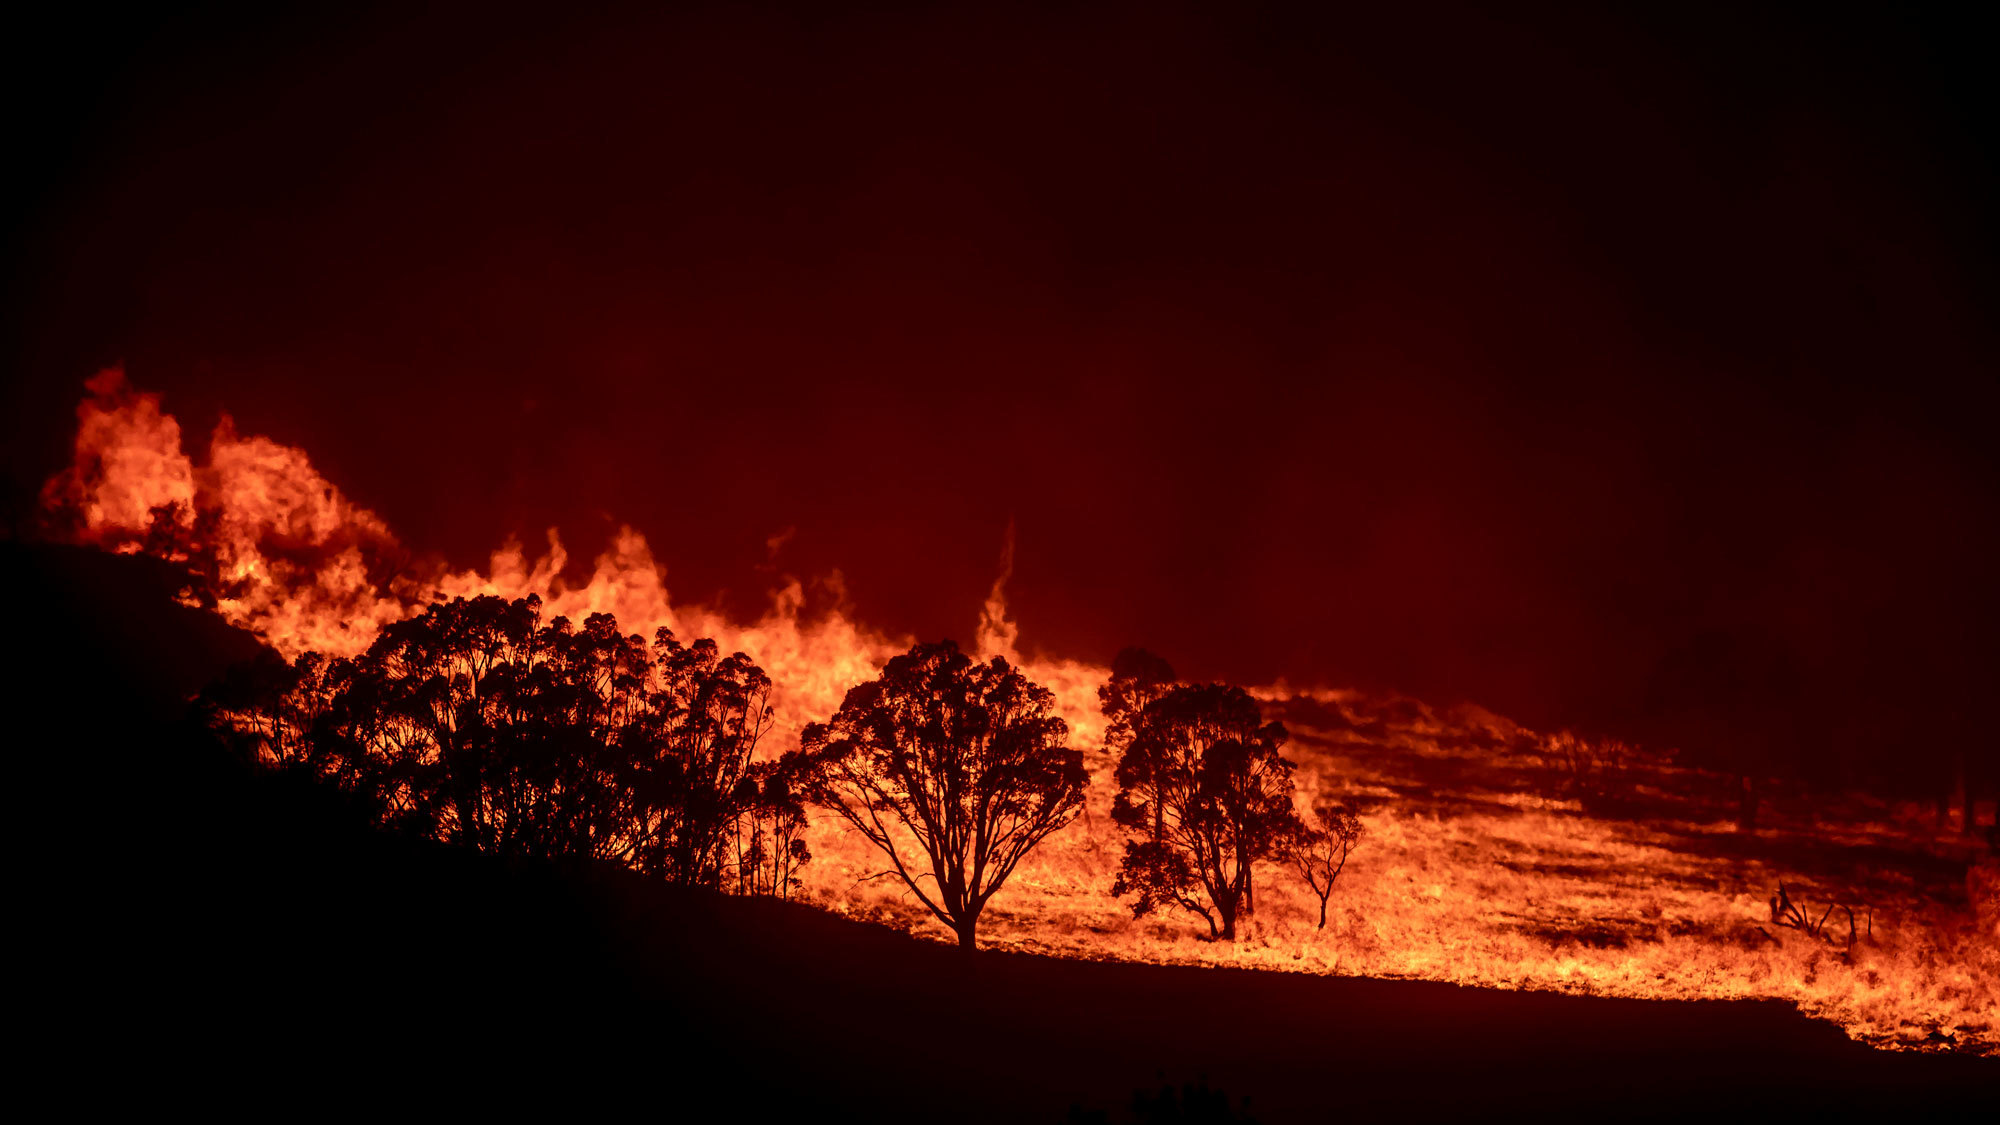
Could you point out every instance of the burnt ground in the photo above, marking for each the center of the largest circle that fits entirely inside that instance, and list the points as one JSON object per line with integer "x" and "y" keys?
{"x": 199, "y": 936}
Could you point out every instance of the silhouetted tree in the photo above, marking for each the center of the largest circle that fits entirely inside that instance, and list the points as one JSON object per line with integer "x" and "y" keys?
{"x": 1208, "y": 773}
{"x": 690, "y": 747}
{"x": 951, "y": 768}
{"x": 477, "y": 724}
{"x": 482, "y": 726}
{"x": 1318, "y": 849}
{"x": 1730, "y": 703}
{"x": 770, "y": 838}
{"x": 267, "y": 709}
{"x": 1138, "y": 679}
{"x": 185, "y": 536}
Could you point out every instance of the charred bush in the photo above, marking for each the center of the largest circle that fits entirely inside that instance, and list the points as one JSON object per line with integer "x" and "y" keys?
{"x": 1601, "y": 774}
{"x": 1797, "y": 915}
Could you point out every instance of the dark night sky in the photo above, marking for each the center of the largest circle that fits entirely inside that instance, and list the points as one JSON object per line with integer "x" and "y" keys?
{"x": 1581, "y": 367}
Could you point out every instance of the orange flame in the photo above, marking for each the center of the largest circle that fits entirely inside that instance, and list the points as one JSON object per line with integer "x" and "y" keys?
{"x": 128, "y": 462}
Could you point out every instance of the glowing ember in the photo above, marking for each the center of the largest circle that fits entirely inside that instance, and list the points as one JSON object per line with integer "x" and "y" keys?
{"x": 1476, "y": 866}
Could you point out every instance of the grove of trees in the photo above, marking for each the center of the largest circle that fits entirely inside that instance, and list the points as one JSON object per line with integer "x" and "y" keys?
{"x": 479, "y": 724}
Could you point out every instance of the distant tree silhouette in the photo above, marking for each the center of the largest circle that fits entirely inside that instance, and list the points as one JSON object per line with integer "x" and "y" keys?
{"x": 477, "y": 724}
{"x": 953, "y": 769}
{"x": 1318, "y": 848}
{"x": 1598, "y": 773}
{"x": 1207, "y": 772}
{"x": 770, "y": 838}
{"x": 1730, "y": 702}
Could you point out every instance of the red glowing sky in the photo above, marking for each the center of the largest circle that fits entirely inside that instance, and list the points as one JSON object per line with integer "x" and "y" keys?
{"x": 1533, "y": 362}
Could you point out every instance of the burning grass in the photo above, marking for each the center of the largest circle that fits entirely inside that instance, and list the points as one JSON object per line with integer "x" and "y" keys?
{"x": 1488, "y": 883}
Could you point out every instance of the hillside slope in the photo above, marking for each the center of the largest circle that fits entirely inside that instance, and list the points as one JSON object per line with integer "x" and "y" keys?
{"x": 201, "y": 934}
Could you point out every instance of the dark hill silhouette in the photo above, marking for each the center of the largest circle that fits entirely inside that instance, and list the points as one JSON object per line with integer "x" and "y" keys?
{"x": 198, "y": 933}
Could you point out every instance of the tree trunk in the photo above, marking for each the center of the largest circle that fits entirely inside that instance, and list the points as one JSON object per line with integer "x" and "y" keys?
{"x": 1746, "y": 803}
{"x": 1227, "y": 909}
{"x": 966, "y": 928}
{"x": 1969, "y": 817}
{"x": 1322, "y": 913}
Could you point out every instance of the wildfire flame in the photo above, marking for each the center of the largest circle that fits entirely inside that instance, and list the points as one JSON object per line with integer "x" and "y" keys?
{"x": 1470, "y": 872}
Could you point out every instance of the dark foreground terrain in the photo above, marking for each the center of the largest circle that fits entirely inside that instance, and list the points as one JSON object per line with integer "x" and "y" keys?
{"x": 201, "y": 936}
